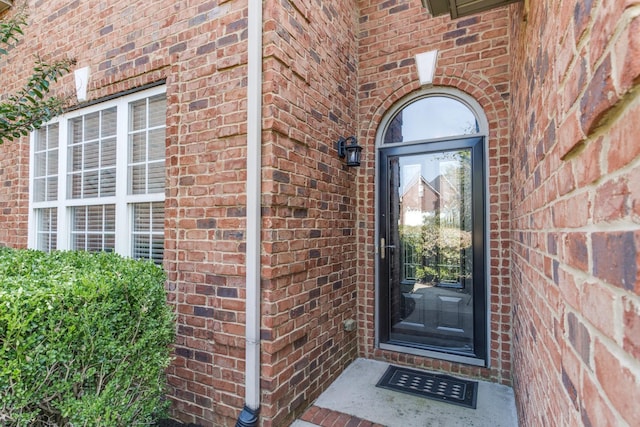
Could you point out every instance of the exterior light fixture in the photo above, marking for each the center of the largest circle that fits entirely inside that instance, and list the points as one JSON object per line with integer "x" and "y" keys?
{"x": 351, "y": 150}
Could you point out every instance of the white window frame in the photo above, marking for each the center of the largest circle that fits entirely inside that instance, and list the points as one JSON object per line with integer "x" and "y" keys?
{"x": 122, "y": 200}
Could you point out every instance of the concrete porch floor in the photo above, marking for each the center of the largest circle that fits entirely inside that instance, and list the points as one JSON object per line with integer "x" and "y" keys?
{"x": 353, "y": 400}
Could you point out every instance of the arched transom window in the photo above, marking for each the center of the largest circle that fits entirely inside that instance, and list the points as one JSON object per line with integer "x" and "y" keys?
{"x": 432, "y": 116}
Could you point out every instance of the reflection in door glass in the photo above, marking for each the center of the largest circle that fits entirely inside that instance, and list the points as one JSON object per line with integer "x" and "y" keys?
{"x": 430, "y": 118}
{"x": 431, "y": 272}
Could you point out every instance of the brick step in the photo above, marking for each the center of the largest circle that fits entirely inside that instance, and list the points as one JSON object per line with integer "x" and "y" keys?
{"x": 328, "y": 418}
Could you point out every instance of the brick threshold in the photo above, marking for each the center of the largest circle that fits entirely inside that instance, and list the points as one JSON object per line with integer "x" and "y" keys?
{"x": 328, "y": 418}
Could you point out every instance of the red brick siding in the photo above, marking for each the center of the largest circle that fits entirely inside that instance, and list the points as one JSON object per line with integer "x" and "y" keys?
{"x": 14, "y": 193}
{"x": 309, "y": 202}
{"x": 309, "y": 249}
{"x": 474, "y": 58}
{"x": 200, "y": 49}
{"x": 575, "y": 74}
{"x": 566, "y": 155}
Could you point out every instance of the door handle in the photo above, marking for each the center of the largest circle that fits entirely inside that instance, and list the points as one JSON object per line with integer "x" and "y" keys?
{"x": 383, "y": 247}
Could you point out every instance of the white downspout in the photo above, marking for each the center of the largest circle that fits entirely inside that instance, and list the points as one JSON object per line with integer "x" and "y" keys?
{"x": 249, "y": 415}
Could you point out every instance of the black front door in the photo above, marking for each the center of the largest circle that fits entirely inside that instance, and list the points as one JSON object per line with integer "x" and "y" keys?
{"x": 431, "y": 253}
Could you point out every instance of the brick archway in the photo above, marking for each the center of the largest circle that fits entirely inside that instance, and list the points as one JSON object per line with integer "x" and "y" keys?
{"x": 474, "y": 85}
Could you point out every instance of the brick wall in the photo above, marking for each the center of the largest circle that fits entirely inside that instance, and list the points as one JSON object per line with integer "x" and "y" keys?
{"x": 14, "y": 194}
{"x": 205, "y": 227}
{"x": 565, "y": 160}
{"x": 474, "y": 58}
{"x": 309, "y": 202}
{"x": 575, "y": 152}
{"x": 199, "y": 49}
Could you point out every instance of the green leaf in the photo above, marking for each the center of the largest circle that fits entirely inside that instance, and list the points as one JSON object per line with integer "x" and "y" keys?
{"x": 74, "y": 318}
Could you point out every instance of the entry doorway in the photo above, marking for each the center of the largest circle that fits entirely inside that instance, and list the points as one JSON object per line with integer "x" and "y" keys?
{"x": 431, "y": 229}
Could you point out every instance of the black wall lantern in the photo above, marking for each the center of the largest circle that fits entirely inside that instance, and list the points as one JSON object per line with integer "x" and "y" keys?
{"x": 351, "y": 150}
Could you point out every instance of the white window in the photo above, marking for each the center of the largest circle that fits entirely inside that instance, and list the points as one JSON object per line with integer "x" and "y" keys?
{"x": 98, "y": 178}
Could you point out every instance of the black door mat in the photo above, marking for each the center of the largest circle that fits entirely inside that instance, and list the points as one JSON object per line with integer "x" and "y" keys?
{"x": 432, "y": 386}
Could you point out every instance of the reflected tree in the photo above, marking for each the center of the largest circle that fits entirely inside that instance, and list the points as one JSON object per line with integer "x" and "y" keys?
{"x": 441, "y": 245}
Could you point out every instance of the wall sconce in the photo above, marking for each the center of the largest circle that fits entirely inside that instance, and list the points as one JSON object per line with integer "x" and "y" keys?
{"x": 351, "y": 151}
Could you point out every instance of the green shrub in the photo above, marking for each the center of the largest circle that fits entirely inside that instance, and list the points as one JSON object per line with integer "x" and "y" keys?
{"x": 84, "y": 339}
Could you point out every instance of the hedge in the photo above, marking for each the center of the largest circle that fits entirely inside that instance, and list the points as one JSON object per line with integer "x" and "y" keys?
{"x": 84, "y": 339}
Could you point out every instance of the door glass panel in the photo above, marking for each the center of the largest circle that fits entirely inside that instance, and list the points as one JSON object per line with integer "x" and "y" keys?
{"x": 431, "y": 254}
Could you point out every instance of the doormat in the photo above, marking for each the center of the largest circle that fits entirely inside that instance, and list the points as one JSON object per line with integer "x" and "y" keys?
{"x": 432, "y": 386}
